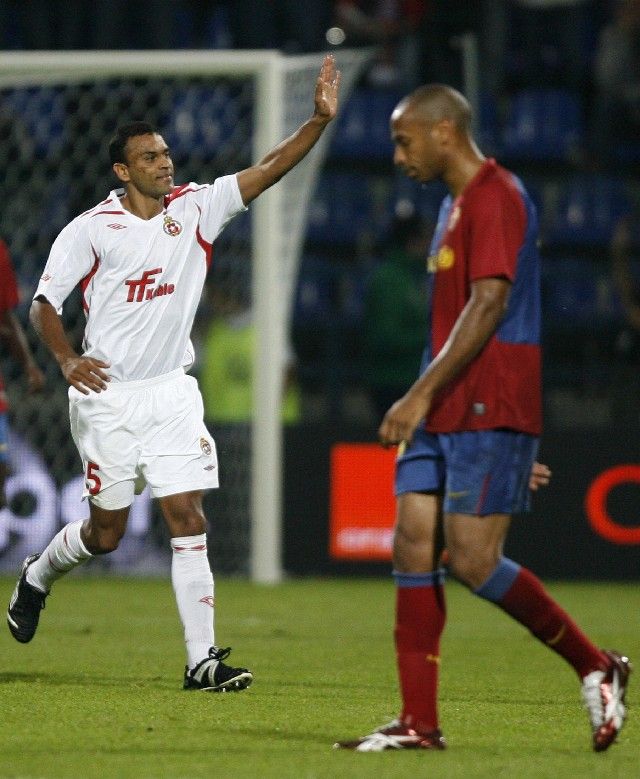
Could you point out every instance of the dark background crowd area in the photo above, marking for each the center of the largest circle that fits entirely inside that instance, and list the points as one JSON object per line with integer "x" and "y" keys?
{"x": 558, "y": 102}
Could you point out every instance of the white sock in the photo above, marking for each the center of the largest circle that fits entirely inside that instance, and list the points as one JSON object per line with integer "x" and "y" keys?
{"x": 193, "y": 586}
{"x": 65, "y": 551}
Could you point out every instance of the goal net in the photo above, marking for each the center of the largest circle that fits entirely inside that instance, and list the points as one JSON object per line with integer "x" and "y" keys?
{"x": 219, "y": 112}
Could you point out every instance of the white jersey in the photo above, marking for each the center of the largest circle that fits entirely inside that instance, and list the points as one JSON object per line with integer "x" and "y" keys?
{"x": 141, "y": 279}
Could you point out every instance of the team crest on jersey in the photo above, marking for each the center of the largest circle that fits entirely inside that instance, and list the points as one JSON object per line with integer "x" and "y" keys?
{"x": 454, "y": 218}
{"x": 171, "y": 226}
{"x": 443, "y": 260}
{"x": 205, "y": 446}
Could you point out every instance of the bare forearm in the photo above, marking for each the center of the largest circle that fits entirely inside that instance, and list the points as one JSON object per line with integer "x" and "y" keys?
{"x": 280, "y": 160}
{"x": 48, "y": 326}
{"x": 287, "y": 154}
{"x": 86, "y": 374}
{"x": 475, "y": 326}
{"x": 15, "y": 338}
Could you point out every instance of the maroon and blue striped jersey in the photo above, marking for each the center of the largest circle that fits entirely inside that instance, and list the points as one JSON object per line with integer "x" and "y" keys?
{"x": 489, "y": 230}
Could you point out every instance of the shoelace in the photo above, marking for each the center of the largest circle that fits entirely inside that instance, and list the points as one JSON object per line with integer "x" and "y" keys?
{"x": 216, "y": 653}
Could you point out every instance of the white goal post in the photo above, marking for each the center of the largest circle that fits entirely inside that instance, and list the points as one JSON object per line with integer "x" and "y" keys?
{"x": 283, "y": 99}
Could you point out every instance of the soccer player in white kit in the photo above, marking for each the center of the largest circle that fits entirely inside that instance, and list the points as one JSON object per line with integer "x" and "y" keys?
{"x": 141, "y": 257}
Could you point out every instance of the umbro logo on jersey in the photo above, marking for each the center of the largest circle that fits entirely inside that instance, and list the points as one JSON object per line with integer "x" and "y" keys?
{"x": 116, "y": 226}
{"x": 142, "y": 289}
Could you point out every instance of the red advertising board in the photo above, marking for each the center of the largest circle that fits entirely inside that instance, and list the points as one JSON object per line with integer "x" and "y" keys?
{"x": 362, "y": 503}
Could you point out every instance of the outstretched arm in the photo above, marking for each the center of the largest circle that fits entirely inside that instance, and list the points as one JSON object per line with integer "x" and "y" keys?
{"x": 286, "y": 155}
{"x": 14, "y": 335}
{"x": 83, "y": 373}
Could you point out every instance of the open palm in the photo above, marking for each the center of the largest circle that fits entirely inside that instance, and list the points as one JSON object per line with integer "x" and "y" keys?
{"x": 327, "y": 85}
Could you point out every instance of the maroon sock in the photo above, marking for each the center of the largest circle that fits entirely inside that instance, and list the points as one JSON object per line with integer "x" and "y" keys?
{"x": 420, "y": 618}
{"x": 528, "y": 602}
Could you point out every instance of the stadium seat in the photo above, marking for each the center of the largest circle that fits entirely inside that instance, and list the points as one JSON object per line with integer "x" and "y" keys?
{"x": 487, "y": 125}
{"x": 578, "y": 293}
{"x": 345, "y": 208}
{"x": 206, "y": 118}
{"x": 362, "y": 130}
{"x": 352, "y": 282}
{"x": 41, "y": 111}
{"x": 425, "y": 199}
{"x": 585, "y": 211}
{"x": 543, "y": 124}
{"x": 626, "y": 153}
{"x": 315, "y": 291}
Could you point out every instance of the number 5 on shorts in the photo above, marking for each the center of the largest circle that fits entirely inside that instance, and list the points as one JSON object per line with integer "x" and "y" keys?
{"x": 93, "y": 480}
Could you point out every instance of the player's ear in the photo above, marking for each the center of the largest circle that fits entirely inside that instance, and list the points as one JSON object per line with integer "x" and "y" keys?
{"x": 121, "y": 171}
{"x": 443, "y": 131}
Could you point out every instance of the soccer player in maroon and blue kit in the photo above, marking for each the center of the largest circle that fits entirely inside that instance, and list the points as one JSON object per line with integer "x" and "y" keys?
{"x": 468, "y": 427}
{"x": 12, "y": 333}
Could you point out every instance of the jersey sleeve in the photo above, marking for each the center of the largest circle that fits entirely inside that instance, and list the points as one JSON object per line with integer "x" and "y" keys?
{"x": 496, "y": 233}
{"x": 71, "y": 259}
{"x": 9, "y": 297}
{"x": 220, "y": 202}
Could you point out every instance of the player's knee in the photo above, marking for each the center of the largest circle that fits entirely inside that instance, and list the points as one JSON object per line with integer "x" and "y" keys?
{"x": 413, "y": 553}
{"x": 101, "y": 540}
{"x": 184, "y": 514}
{"x": 190, "y": 523}
{"x": 109, "y": 540}
{"x": 470, "y": 568}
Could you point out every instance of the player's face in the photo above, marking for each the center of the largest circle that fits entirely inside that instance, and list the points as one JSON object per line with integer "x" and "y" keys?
{"x": 416, "y": 149}
{"x": 149, "y": 167}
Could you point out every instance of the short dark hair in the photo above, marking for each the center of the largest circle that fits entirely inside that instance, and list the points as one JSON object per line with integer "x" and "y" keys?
{"x": 122, "y": 135}
{"x": 434, "y": 102}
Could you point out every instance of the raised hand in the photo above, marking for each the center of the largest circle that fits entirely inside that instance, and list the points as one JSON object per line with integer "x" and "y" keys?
{"x": 327, "y": 86}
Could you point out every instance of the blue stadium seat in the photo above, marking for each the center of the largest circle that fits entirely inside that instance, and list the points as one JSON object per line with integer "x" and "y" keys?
{"x": 425, "y": 199}
{"x": 543, "y": 124}
{"x": 205, "y": 118}
{"x": 578, "y": 294}
{"x": 586, "y": 211}
{"x": 315, "y": 291}
{"x": 627, "y": 153}
{"x": 345, "y": 207}
{"x": 362, "y": 130}
{"x": 487, "y": 125}
{"x": 352, "y": 283}
{"x": 41, "y": 110}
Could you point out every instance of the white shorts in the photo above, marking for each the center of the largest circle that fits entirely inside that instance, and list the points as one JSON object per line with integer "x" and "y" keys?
{"x": 143, "y": 432}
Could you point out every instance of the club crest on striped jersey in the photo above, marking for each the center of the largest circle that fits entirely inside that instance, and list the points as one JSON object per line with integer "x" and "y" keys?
{"x": 171, "y": 226}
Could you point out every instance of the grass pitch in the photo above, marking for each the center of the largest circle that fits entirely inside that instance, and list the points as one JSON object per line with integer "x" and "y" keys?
{"x": 98, "y": 691}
